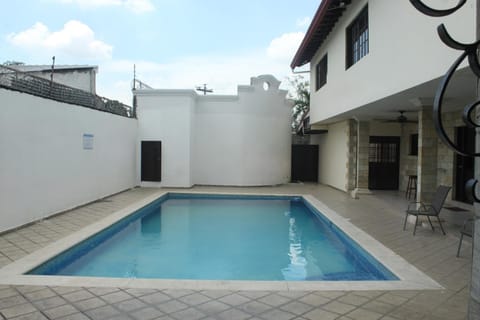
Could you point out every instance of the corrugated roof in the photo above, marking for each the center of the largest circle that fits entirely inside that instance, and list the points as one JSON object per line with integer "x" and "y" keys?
{"x": 323, "y": 22}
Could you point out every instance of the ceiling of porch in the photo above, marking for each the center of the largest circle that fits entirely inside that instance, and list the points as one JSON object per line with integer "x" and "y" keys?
{"x": 461, "y": 91}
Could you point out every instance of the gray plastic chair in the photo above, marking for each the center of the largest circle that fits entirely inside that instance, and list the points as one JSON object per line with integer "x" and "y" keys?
{"x": 428, "y": 210}
{"x": 467, "y": 230}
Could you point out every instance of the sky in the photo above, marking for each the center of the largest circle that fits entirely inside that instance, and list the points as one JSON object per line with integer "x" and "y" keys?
{"x": 175, "y": 44}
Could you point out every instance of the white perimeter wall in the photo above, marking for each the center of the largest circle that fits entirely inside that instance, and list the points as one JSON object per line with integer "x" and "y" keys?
{"x": 404, "y": 51}
{"x": 333, "y": 158}
{"x": 239, "y": 140}
{"x": 244, "y": 141}
{"x": 43, "y": 166}
{"x": 167, "y": 117}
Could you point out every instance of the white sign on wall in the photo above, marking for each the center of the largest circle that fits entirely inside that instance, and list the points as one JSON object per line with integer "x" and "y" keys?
{"x": 87, "y": 141}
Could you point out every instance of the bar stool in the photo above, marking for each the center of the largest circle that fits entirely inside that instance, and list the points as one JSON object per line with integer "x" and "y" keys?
{"x": 411, "y": 187}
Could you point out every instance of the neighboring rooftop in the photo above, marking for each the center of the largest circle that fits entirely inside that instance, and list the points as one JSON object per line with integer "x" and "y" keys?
{"x": 323, "y": 22}
{"x": 22, "y": 81}
{"x": 40, "y": 68}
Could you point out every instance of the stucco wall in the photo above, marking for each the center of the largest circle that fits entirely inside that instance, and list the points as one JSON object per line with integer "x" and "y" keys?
{"x": 44, "y": 168}
{"x": 403, "y": 52}
{"x": 166, "y": 116}
{"x": 333, "y": 159}
{"x": 241, "y": 140}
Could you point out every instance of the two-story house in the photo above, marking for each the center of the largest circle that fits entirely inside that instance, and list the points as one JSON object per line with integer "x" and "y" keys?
{"x": 374, "y": 69}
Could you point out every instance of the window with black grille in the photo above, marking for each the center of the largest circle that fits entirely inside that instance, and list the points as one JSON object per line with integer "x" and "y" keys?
{"x": 357, "y": 38}
{"x": 321, "y": 72}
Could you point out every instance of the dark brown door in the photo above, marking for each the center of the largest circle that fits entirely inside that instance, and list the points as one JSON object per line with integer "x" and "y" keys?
{"x": 383, "y": 163}
{"x": 464, "y": 166}
{"x": 151, "y": 161}
{"x": 304, "y": 163}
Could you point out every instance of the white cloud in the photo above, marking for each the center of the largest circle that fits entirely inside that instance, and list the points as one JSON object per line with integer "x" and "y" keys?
{"x": 76, "y": 39}
{"x": 304, "y": 22}
{"x": 284, "y": 47}
{"x": 221, "y": 73}
{"x": 137, "y": 6}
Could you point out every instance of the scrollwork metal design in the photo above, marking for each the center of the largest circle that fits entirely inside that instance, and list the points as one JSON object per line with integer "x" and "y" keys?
{"x": 423, "y": 8}
{"x": 469, "y": 51}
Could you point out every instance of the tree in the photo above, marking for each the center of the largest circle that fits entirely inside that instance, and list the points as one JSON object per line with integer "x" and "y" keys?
{"x": 300, "y": 94}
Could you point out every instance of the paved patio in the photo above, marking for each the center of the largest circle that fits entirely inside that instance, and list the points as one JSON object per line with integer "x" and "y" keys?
{"x": 380, "y": 215}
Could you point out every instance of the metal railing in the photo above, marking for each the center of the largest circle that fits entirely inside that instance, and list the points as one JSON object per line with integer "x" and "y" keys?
{"x": 24, "y": 82}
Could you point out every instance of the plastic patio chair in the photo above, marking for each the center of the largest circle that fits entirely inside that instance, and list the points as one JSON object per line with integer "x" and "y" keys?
{"x": 467, "y": 230}
{"x": 428, "y": 210}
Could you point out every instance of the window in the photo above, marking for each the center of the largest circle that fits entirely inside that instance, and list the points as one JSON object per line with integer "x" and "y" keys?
{"x": 321, "y": 72}
{"x": 357, "y": 38}
{"x": 413, "y": 145}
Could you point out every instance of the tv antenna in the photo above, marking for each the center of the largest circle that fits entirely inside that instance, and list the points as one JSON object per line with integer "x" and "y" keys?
{"x": 204, "y": 89}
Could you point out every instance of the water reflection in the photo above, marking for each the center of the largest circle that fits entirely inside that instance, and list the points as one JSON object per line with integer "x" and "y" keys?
{"x": 296, "y": 269}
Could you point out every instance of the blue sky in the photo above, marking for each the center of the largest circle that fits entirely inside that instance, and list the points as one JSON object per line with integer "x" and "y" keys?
{"x": 174, "y": 43}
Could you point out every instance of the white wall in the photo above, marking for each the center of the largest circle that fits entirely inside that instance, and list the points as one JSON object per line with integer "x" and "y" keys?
{"x": 166, "y": 116}
{"x": 333, "y": 158}
{"x": 404, "y": 51}
{"x": 43, "y": 166}
{"x": 243, "y": 140}
{"x": 239, "y": 140}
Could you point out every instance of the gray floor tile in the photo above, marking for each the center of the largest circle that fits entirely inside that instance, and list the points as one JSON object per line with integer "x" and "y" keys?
{"x": 147, "y": 313}
{"x": 61, "y": 311}
{"x": 102, "y": 312}
{"x": 188, "y": 314}
{"x": 129, "y": 305}
{"x": 89, "y": 304}
{"x": 49, "y": 303}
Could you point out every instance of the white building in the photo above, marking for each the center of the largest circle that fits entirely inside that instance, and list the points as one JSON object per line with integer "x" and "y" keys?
{"x": 235, "y": 140}
{"x": 369, "y": 60}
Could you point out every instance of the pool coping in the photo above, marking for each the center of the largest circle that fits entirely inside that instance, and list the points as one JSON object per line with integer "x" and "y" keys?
{"x": 410, "y": 278}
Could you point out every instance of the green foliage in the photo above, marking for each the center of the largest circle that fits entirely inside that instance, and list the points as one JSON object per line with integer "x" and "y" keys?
{"x": 300, "y": 94}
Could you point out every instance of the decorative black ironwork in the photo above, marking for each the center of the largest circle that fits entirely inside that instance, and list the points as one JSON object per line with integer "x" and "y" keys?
{"x": 470, "y": 52}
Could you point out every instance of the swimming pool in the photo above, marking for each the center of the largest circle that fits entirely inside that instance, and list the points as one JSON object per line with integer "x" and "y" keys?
{"x": 409, "y": 277}
{"x": 221, "y": 237}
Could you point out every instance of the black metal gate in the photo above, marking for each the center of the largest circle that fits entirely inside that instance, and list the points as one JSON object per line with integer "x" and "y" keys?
{"x": 464, "y": 166}
{"x": 151, "y": 161}
{"x": 383, "y": 163}
{"x": 304, "y": 163}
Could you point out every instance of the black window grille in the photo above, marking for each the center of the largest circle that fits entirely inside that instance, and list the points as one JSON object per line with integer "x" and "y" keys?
{"x": 382, "y": 152}
{"x": 357, "y": 38}
{"x": 321, "y": 72}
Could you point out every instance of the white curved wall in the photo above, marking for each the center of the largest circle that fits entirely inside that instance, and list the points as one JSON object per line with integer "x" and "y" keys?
{"x": 239, "y": 140}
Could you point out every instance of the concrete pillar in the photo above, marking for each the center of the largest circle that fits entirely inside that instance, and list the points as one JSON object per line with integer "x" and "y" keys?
{"x": 351, "y": 173}
{"x": 363, "y": 142}
{"x": 427, "y": 155}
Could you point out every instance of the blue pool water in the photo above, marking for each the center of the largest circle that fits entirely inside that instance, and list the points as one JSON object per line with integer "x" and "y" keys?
{"x": 185, "y": 236}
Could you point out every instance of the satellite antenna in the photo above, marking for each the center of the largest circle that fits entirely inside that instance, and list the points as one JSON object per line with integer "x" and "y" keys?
{"x": 204, "y": 89}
